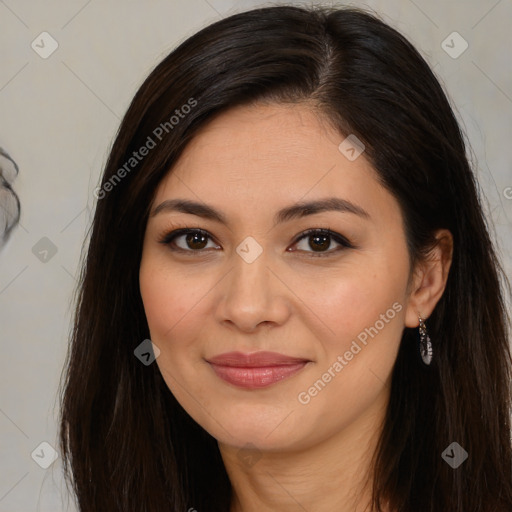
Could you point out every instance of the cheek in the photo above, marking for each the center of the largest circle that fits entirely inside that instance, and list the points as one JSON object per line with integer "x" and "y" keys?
{"x": 172, "y": 304}
{"x": 174, "y": 301}
{"x": 358, "y": 300}
{"x": 364, "y": 312}
{"x": 163, "y": 295}
{"x": 158, "y": 293}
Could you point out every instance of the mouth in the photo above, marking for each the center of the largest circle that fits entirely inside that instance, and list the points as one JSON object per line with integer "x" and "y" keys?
{"x": 257, "y": 370}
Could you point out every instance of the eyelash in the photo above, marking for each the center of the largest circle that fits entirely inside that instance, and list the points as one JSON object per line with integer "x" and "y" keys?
{"x": 168, "y": 237}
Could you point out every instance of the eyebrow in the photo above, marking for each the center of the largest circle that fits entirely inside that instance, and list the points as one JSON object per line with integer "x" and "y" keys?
{"x": 295, "y": 211}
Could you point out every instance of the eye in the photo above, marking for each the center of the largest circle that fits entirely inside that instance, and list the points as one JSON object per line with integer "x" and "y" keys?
{"x": 193, "y": 240}
{"x": 320, "y": 240}
{"x": 196, "y": 241}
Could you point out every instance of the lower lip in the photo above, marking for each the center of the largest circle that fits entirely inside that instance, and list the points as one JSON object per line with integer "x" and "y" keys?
{"x": 254, "y": 378}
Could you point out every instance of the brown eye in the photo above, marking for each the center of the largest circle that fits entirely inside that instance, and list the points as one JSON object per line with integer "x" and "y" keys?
{"x": 320, "y": 240}
{"x": 196, "y": 240}
{"x": 193, "y": 240}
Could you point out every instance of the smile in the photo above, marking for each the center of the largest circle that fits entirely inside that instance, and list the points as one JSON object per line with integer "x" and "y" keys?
{"x": 257, "y": 370}
{"x": 256, "y": 377}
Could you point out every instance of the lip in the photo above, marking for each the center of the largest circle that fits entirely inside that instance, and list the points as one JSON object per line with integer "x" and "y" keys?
{"x": 256, "y": 370}
{"x": 254, "y": 360}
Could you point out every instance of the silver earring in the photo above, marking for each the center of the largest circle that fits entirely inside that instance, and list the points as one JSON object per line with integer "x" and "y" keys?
{"x": 426, "y": 350}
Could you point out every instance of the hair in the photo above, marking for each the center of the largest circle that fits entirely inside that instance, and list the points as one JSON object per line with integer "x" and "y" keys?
{"x": 127, "y": 444}
{"x": 9, "y": 201}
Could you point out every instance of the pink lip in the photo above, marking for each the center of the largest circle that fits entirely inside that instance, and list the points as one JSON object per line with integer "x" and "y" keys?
{"x": 256, "y": 370}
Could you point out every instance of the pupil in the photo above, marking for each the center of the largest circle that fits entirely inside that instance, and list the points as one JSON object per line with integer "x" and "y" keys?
{"x": 318, "y": 244}
{"x": 192, "y": 238}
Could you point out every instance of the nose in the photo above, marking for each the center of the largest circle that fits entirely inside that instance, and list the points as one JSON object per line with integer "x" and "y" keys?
{"x": 253, "y": 294}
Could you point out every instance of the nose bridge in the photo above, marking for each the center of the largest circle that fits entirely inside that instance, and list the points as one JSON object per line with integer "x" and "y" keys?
{"x": 251, "y": 295}
{"x": 250, "y": 273}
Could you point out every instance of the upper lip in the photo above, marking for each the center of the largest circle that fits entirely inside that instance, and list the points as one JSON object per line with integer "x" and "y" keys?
{"x": 254, "y": 360}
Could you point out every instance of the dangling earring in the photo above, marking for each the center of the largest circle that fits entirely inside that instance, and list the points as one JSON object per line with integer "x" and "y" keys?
{"x": 425, "y": 344}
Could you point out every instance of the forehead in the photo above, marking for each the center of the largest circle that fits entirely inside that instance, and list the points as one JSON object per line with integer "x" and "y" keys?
{"x": 272, "y": 141}
{"x": 252, "y": 157}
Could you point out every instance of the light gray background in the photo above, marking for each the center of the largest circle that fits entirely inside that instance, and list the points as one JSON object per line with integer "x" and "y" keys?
{"x": 58, "y": 119}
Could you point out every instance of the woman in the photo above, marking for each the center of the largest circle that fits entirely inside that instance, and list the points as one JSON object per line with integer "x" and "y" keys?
{"x": 290, "y": 299}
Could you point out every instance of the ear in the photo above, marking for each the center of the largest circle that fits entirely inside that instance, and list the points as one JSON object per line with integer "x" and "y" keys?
{"x": 429, "y": 279}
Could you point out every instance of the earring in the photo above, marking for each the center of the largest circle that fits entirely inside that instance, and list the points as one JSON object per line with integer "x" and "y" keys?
{"x": 425, "y": 344}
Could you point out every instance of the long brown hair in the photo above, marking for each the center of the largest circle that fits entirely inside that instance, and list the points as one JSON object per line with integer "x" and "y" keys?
{"x": 127, "y": 444}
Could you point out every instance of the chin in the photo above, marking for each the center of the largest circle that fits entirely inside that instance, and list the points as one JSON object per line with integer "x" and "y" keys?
{"x": 261, "y": 426}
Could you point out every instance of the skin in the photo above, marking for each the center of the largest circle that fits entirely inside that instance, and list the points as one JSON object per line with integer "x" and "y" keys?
{"x": 249, "y": 162}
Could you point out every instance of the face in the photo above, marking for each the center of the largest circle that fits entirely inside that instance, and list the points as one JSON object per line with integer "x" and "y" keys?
{"x": 323, "y": 288}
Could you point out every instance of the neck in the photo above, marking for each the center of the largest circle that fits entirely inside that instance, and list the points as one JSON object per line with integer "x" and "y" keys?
{"x": 334, "y": 474}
